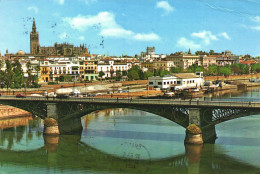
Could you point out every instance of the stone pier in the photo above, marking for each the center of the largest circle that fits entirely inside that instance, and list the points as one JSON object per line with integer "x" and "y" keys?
{"x": 71, "y": 125}
{"x": 51, "y": 126}
{"x": 202, "y": 117}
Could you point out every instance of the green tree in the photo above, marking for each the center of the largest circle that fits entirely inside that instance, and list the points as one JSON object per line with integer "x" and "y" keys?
{"x": 255, "y": 67}
{"x": 8, "y": 75}
{"x": 124, "y": 73}
{"x": 101, "y": 74}
{"x": 236, "y": 69}
{"x": 212, "y": 70}
{"x": 29, "y": 72}
{"x": 147, "y": 74}
{"x": 164, "y": 72}
{"x": 138, "y": 70}
{"x": 133, "y": 75}
{"x": 195, "y": 68}
{"x": 226, "y": 70}
{"x": 67, "y": 78}
{"x": 37, "y": 69}
{"x": 18, "y": 74}
{"x": 176, "y": 69}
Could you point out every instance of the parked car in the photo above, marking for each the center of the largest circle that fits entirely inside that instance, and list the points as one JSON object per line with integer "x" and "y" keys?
{"x": 20, "y": 96}
{"x": 52, "y": 94}
{"x": 92, "y": 95}
{"x": 62, "y": 96}
{"x": 36, "y": 95}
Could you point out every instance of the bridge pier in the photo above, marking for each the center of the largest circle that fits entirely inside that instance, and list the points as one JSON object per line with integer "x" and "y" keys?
{"x": 65, "y": 126}
{"x": 202, "y": 117}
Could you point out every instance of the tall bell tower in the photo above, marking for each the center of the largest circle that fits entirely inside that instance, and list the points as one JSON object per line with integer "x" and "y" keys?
{"x": 34, "y": 40}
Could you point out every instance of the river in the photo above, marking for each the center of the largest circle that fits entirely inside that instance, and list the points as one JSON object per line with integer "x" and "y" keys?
{"x": 124, "y": 140}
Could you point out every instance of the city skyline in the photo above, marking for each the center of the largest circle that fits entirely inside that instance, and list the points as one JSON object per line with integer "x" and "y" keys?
{"x": 128, "y": 27}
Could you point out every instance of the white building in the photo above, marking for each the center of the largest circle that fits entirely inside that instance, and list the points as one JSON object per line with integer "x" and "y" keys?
{"x": 111, "y": 67}
{"x": 177, "y": 81}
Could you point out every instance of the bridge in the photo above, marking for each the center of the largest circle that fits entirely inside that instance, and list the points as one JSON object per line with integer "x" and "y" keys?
{"x": 205, "y": 114}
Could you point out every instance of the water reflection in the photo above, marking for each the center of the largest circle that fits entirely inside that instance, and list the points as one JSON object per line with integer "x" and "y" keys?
{"x": 22, "y": 133}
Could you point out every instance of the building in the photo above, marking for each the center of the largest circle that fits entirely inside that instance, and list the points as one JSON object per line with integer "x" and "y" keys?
{"x": 177, "y": 81}
{"x": 88, "y": 69}
{"x": 64, "y": 49}
{"x": 110, "y": 67}
{"x": 163, "y": 65}
{"x": 53, "y": 68}
{"x": 184, "y": 60}
{"x": 208, "y": 60}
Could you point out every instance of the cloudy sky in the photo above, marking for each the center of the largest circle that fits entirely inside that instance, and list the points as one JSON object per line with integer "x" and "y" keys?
{"x": 128, "y": 26}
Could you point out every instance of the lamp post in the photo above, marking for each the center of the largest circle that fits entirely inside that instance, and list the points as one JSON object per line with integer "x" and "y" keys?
{"x": 128, "y": 93}
{"x": 25, "y": 89}
{"x": 85, "y": 89}
{"x": 147, "y": 90}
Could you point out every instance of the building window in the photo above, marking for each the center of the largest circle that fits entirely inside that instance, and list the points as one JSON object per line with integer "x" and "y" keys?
{"x": 150, "y": 83}
{"x": 159, "y": 83}
{"x": 164, "y": 83}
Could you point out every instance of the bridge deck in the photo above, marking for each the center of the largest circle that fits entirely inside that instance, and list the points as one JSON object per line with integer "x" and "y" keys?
{"x": 156, "y": 102}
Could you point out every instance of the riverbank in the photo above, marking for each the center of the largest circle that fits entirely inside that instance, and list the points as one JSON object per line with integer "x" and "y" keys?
{"x": 12, "y": 112}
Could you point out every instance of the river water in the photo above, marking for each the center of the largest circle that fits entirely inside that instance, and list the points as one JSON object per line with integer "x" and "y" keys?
{"x": 131, "y": 141}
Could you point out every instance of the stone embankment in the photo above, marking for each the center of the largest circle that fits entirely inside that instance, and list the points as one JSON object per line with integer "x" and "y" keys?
{"x": 12, "y": 112}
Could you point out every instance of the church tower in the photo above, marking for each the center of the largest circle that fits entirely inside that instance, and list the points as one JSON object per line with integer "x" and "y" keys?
{"x": 34, "y": 40}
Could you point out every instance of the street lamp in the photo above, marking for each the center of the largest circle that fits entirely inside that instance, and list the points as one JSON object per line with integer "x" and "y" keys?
{"x": 147, "y": 90}
{"x": 85, "y": 89}
{"x": 128, "y": 93}
{"x": 25, "y": 89}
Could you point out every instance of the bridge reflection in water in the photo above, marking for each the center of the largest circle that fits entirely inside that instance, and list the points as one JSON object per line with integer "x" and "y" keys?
{"x": 72, "y": 153}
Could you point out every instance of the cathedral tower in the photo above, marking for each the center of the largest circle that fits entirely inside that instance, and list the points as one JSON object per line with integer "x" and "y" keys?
{"x": 34, "y": 40}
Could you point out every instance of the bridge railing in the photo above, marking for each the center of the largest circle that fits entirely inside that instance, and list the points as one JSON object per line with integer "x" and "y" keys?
{"x": 178, "y": 102}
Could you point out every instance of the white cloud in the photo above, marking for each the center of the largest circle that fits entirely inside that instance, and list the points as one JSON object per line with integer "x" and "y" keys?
{"x": 185, "y": 43}
{"x": 61, "y": 2}
{"x": 255, "y": 19}
{"x": 33, "y": 8}
{"x": 206, "y": 36}
{"x": 116, "y": 32}
{"x": 256, "y": 28}
{"x": 106, "y": 23}
{"x": 81, "y": 38}
{"x": 146, "y": 37}
{"x": 225, "y": 35}
{"x": 103, "y": 19}
{"x": 63, "y": 35}
{"x": 165, "y": 6}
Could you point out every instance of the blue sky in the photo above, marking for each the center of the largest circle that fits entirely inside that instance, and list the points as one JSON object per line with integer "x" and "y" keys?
{"x": 128, "y": 26}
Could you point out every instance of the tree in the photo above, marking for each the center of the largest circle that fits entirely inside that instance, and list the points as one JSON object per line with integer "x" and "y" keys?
{"x": 37, "y": 69}
{"x": 226, "y": 70}
{"x": 101, "y": 74}
{"x": 212, "y": 70}
{"x": 138, "y": 70}
{"x": 195, "y": 68}
{"x": 255, "y": 67}
{"x": 118, "y": 75}
{"x": 236, "y": 69}
{"x": 176, "y": 69}
{"x": 29, "y": 72}
{"x": 8, "y": 75}
{"x": 147, "y": 74}
{"x": 18, "y": 74}
{"x": 133, "y": 75}
{"x": 164, "y": 72}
